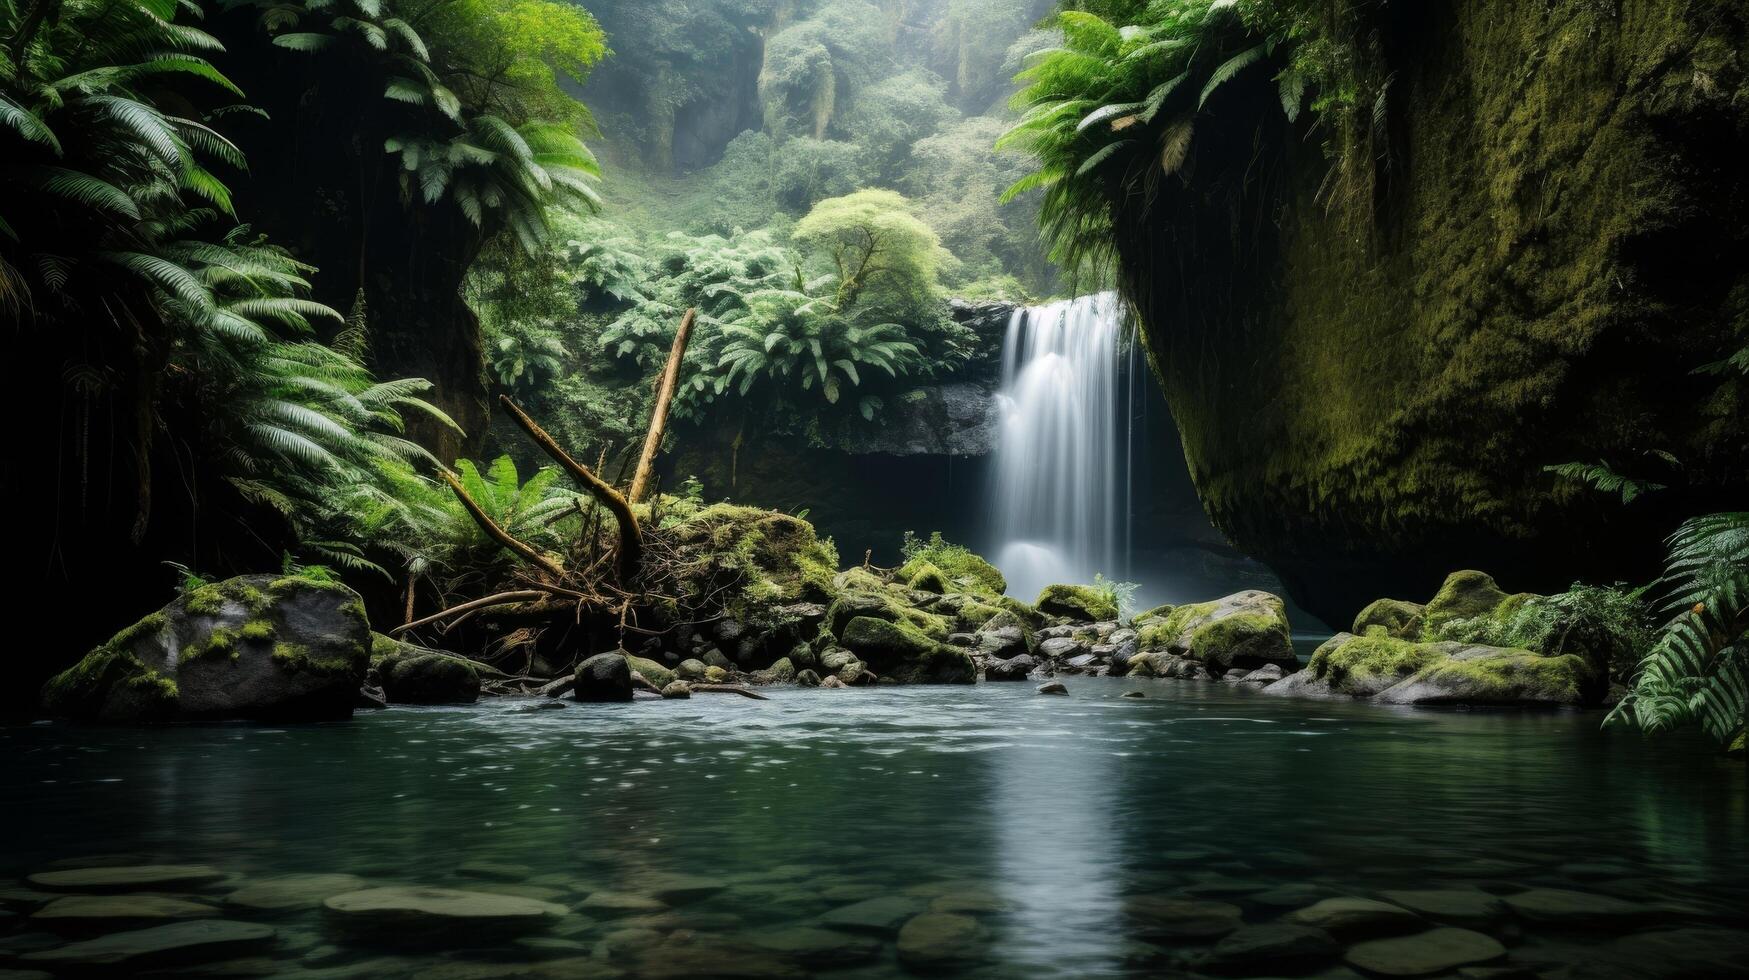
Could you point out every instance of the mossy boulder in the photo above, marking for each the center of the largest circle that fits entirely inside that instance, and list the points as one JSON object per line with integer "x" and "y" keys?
{"x": 1396, "y": 671}
{"x": 752, "y": 560}
{"x": 1464, "y": 595}
{"x": 415, "y": 675}
{"x": 925, "y": 577}
{"x": 608, "y": 677}
{"x": 655, "y": 673}
{"x": 280, "y": 648}
{"x": 1246, "y": 629}
{"x": 1149, "y": 615}
{"x": 1362, "y": 666}
{"x": 1082, "y": 603}
{"x": 1397, "y": 617}
{"x": 960, "y": 569}
{"x": 902, "y": 653}
{"x": 887, "y": 605}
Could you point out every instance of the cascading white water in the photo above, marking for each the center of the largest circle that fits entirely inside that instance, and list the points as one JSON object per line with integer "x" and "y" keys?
{"x": 1061, "y": 506}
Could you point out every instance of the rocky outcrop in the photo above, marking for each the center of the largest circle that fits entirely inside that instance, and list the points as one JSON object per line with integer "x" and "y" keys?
{"x": 1078, "y": 602}
{"x": 1395, "y": 671}
{"x": 410, "y": 674}
{"x": 266, "y": 647}
{"x": 1245, "y": 629}
{"x": 1372, "y": 364}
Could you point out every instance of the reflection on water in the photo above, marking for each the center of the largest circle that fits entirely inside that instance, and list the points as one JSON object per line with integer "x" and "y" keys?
{"x": 1057, "y": 823}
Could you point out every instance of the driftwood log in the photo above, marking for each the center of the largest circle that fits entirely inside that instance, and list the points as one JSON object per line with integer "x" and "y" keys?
{"x": 670, "y": 380}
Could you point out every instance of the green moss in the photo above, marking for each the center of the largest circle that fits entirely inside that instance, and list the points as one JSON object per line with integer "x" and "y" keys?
{"x": 220, "y": 643}
{"x": 973, "y": 615}
{"x": 1024, "y": 611}
{"x": 754, "y": 559}
{"x": 1372, "y": 661}
{"x": 653, "y": 672}
{"x": 1398, "y": 618}
{"x": 298, "y": 659}
{"x": 148, "y": 626}
{"x": 1156, "y": 636}
{"x": 382, "y": 648}
{"x": 1082, "y": 602}
{"x": 292, "y": 583}
{"x": 860, "y": 578}
{"x": 960, "y": 565}
{"x": 1464, "y": 595}
{"x": 924, "y": 577}
{"x": 1158, "y": 612}
{"x": 1515, "y": 675}
{"x": 1217, "y": 642}
{"x": 251, "y": 598}
{"x": 257, "y": 631}
{"x": 208, "y": 600}
{"x": 900, "y": 652}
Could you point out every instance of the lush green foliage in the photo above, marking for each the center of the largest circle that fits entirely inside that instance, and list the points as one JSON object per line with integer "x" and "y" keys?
{"x": 1698, "y": 671}
{"x": 1608, "y": 621}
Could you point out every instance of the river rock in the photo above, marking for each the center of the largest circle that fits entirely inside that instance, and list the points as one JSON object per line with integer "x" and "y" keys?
{"x": 1396, "y": 617}
{"x": 1002, "y": 642}
{"x": 604, "y": 677}
{"x": 1694, "y": 953}
{"x": 167, "y": 946}
{"x": 936, "y": 941}
{"x": 1061, "y": 647}
{"x": 832, "y": 681}
{"x": 97, "y": 912}
{"x": 878, "y": 916}
{"x": 1160, "y": 917}
{"x": 415, "y": 675}
{"x": 418, "y": 915}
{"x": 1132, "y": 694}
{"x": 817, "y": 949}
{"x": 1052, "y": 687}
{"x": 1013, "y": 669}
{"x": 1246, "y": 629}
{"x": 1559, "y": 906}
{"x": 1253, "y": 949}
{"x": 677, "y": 689}
{"x": 658, "y": 675}
{"x": 1262, "y": 676}
{"x": 258, "y": 647}
{"x": 690, "y": 670}
{"x": 1081, "y": 603}
{"x": 900, "y": 652}
{"x": 1433, "y": 951}
{"x": 139, "y": 877}
{"x": 807, "y": 678}
{"x": 288, "y": 893}
{"x": 1356, "y": 918}
{"x": 1473, "y": 674}
{"x": 1464, "y": 906}
{"x": 1463, "y": 595}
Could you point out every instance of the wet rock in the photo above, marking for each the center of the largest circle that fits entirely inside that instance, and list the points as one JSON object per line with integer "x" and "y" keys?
{"x": 1078, "y": 602}
{"x": 1052, "y": 687}
{"x": 415, "y": 915}
{"x": 1264, "y": 675}
{"x": 177, "y": 944}
{"x": 1433, "y": 951}
{"x": 99, "y": 912}
{"x": 962, "y": 639}
{"x": 1159, "y": 917}
{"x": 1013, "y": 669}
{"x": 658, "y": 675}
{"x": 681, "y": 888}
{"x": 1246, "y": 629}
{"x": 690, "y": 670}
{"x": 1061, "y": 647}
{"x": 817, "y": 949}
{"x": 1002, "y": 642}
{"x": 494, "y": 871}
{"x": 807, "y": 678}
{"x": 689, "y": 958}
{"x": 414, "y": 675}
{"x": 1463, "y": 595}
{"x": 1464, "y": 906}
{"x": 714, "y": 658}
{"x": 259, "y": 647}
{"x": 370, "y": 698}
{"x": 969, "y": 899}
{"x": 1083, "y": 661}
{"x": 1559, "y": 906}
{"x": 936, "y": 941}
{"x": 1695, "y": 953}
{"x": 604, "y": 677}
{"x": 1132, "y": 694}
{"x": 715, "y": 675}
{"x": 559, "y": 687}
{"x": 903, "y": 653}
{"x": 1357, "y": 918}
{"x": 139, "y": 877}
{"x": 1397, "y": 618}
{"x": 1251, "y": 949}
{"x": 288, "y": 893}
{"x": 613, "y": 903}
{"x": 1234, "y": 676}
{"x": 831, "y": 680}
{"x": 536, "y": 707}
{"x": 878, "y": 916}
{"x": 1472, "y": 674}
{"x": 677, "y": 689}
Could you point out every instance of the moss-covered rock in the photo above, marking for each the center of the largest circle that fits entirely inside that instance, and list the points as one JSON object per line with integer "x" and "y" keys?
{"x": 902, "y": 653}
{"x": 1464, "y": 595}
{"x": 962, "y": 568}
{"x": 1149, "y": 615}
{"x": 750, "y": 561}
{"x": 415, "y": 675}
{"x": 1083, "y": 603}
{"x": 1362, "y": 666}
{"x": 924, "y": 577}
{"x": 1397, "y": 671}
{"x": 651, "y": 671}
{"x": 1245, "y": 629}
{"x": 259, "y": 647}
{"x": 1397, "y": 617}
{"x": 887, "y": 605}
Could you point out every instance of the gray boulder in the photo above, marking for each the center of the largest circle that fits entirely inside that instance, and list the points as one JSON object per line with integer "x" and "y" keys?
{"x": 261, "y": 647}
{"x": 603, "y": 677}
{"x": 416, "y": 675}
{"x": 1013, "y": 669}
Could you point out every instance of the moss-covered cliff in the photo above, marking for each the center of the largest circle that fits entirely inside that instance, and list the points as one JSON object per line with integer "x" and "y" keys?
{"x": 1369, "y": 382}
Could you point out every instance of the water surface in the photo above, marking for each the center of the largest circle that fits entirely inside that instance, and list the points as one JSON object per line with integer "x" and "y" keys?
{"x": 1065, "y": 814}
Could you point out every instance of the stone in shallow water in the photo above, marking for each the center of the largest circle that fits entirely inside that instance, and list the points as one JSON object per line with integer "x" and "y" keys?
{"x": 1290, "y": 896}
{"x": 177, "y": 944}
{"x": 819, "y": 949}
{"x": 1433, "y": 951}
{"x": 679, "y": 889}
{"x": 22, "y": 899}
{"x": 1158, "y": 916}
{"x": 854, "y": 891}
{"x": 118, "y": 911}
{"x": 1558, "y": 906}
{"x": 422, "y": 915}
{"x": 140, "y": 877}
{"x": 972, "y": 900}
{"x": 1053, "y": 687}
{"x": 1469, "y": 906}
{"x": 1668, "y": 954}
{"x": 940, "y": 941}
{"x": 1274, "y": 944}
{"x": 1132, "y": 694}
{"x": 605, "y": 902}
{"x": 713, "y": 957}
{"x": 1357, "y": 918}
{"x": 291, "y": 892}
{"x": 495, "y": 871}
{"x": 881, "y": 916}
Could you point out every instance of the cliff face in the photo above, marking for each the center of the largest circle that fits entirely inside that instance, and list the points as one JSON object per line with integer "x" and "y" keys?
{"x": 1369, "y": 386}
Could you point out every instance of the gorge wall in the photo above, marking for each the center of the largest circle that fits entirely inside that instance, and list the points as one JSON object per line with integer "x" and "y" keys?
{"x": 1369, "y": 386}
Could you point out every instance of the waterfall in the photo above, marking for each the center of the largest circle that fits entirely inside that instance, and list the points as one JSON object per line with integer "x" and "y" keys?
{"x": 1061, "y": 495}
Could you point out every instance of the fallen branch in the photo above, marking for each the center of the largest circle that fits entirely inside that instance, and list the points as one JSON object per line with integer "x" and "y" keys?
{"x": 659, "y": 414}
{"x": 729, "y": 689}
{"x": 500, "y": 535}
{"x": 631, "y": 540}
{"x": 497, "y": 599}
